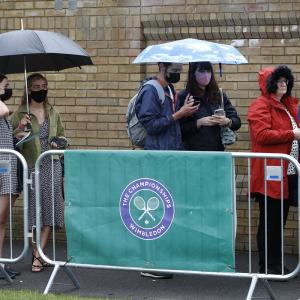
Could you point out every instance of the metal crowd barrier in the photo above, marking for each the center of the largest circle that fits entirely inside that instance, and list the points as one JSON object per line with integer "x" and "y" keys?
{"x": 249, "y": 272}
{"x": 5, "y": 168}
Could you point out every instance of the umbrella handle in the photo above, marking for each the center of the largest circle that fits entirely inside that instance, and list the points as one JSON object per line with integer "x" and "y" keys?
{"x": 222, "y": 100}
{"x": 27, "y": 127}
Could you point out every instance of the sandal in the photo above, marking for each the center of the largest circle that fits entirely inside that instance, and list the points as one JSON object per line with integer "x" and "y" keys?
{"x": 36, "y": 267}
{"x": 45, "y": 264}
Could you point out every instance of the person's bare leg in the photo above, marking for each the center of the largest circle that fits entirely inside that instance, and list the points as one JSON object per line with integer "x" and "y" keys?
{"x": 37, "y": 265}
{"x": 4, "y": 212}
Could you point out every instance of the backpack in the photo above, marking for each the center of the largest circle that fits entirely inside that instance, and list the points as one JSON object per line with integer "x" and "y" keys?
{"x": 136, "y": 131}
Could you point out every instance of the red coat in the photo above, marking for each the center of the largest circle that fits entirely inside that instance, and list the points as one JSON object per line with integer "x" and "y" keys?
{"x": 271, "y": 132}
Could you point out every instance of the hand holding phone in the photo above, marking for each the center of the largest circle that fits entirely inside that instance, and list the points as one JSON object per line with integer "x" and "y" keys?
{"x": 196, "y": 102}
{"x": 25, "y": 123}
{"x": 219, "y": 112}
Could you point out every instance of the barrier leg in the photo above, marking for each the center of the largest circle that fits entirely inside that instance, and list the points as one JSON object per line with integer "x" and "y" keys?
{"x": 72, "y": 276}
{"x": 6, "y": 276}
{"x": 252, "y": 287}
{"x": 269, "y": 289}
{"x": 51, "y": 279}
{"x": 67, "y": 271}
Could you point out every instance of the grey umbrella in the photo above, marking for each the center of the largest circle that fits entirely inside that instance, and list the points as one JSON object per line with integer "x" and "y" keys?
{"x": 36, "y": 50}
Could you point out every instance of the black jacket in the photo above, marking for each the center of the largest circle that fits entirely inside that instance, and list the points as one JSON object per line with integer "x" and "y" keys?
{"x": 205, "y": 138}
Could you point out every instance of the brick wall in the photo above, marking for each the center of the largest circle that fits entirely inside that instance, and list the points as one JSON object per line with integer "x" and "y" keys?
{"x": 93, "y": 100}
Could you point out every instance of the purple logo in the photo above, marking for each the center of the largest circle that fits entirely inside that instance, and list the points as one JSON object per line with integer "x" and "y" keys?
{"x": 147, "y": 208}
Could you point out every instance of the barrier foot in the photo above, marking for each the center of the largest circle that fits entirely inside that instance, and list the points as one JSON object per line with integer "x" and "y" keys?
{"x": 72, "y": 277}
{"x": 51, "y": 279}
{"x": 6, "y": 276}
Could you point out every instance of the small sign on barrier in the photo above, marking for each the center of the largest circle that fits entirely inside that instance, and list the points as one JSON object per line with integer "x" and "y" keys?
{"x": 274, "y": 173}
{"x": 4, "y": 167}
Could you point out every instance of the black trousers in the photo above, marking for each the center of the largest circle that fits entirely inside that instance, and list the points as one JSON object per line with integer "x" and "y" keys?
{"x": 273, "y": 230}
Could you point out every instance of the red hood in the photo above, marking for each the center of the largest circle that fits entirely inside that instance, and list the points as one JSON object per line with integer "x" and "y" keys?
{"x": 262, "y": 79}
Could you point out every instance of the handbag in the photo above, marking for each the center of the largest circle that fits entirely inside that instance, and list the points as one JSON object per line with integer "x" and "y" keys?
{"x": 293, "y": 189}
{"x": 228, "y": 136}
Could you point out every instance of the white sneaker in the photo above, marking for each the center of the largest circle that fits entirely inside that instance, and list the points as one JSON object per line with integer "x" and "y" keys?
{"x": 157, "y": 275}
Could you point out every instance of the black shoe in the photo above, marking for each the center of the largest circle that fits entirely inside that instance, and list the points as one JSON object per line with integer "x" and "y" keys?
{"x": 11, "y": 272}
{"x": 157, "y": 275}
{"x": 286, "y": 270}
{"x": 275, "y": 270}
{"x": 11, "y": 275}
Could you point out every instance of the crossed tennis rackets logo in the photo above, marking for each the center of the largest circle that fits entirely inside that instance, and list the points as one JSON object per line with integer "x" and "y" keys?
{"x": 151, "y": 205}
{"x": 146, "y": 208}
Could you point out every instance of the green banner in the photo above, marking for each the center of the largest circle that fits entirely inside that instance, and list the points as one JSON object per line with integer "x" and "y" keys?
{"x": 150, "y": 209}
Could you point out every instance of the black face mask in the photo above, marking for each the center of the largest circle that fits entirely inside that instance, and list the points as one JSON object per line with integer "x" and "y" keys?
{"x": 172, "y": 77}
{"x": 39, "y": 96}
{"x": 7, "y": 94}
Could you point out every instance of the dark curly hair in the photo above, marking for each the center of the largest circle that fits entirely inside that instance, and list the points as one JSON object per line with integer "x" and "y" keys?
{"x": 280, "y": 71}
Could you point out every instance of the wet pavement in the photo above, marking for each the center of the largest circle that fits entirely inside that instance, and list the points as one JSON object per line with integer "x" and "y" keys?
{"x": 117, "y": 284}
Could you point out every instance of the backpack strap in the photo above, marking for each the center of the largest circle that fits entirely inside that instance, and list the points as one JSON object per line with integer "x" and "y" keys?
{"x": 158, "y": 87}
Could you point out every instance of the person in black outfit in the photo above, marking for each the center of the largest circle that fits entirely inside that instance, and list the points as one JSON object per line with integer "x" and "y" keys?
{"x": 201, "y": 131}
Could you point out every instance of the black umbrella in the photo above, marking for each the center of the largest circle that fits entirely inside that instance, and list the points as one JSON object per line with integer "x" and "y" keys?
{"x": 43, "y": 50}
{"x": 36, "y": 50}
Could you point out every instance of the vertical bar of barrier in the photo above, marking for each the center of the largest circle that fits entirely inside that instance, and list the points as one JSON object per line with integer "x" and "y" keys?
{"x": 10, "y": 210}
{"x": 249, "y": 218}
{"x": 266, "y": 217}
{"x": 38, "y": 205}
{"x": 281, "y": 219}
{"x": 53, "y": 209}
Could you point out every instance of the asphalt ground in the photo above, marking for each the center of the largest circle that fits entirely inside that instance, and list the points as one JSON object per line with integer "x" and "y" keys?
{"x": 115, "y": 284}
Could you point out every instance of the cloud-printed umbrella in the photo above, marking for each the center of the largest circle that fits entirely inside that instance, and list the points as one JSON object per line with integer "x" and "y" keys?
{"x": 191, "y": 50}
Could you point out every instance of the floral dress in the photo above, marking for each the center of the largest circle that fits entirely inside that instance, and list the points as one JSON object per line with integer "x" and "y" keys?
{"x": 51, "y": 196}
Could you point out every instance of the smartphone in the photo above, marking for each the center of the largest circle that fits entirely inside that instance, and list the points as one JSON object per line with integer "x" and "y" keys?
{"x": 197, "y": 100}
{"x": 219, "y": 112}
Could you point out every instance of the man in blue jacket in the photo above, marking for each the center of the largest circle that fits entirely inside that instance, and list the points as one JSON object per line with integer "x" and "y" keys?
{"x": 161, "y": 118}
